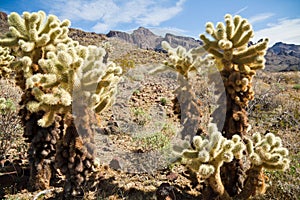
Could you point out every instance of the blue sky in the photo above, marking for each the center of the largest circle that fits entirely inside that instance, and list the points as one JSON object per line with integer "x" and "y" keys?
{"x": 279, "y": 20}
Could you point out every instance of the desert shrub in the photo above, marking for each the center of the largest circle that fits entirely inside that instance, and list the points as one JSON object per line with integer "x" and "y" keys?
{"x": 296, "y": 87}
{"x": 10, "y": 129}
{"x": 125, "y": 63}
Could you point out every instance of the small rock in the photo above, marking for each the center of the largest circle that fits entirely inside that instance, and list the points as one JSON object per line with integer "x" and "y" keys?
{"x": 165, "y": 192}
{"x": 115, "y": 164}
{"x": 172, "y": 176}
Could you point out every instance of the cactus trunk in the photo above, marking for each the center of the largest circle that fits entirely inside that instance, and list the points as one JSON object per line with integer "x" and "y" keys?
{"x": 42, "y": 151}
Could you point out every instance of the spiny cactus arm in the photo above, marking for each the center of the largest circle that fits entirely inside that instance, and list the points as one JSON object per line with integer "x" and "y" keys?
{"x": 98, "y": 80}
{"x": 215, "y": 149}
{"x": 209, "y": 155}
{"x": 264, "y": 152}
{"x": 184, "y": 62}
{"x": 267, "y": 151}
{"x": 52, "y": 89}
{"x": 5, "y": 56}
{"x": 33, "y": 30}
{"x": 230, "y": 43}
{"x": 5, "y": 60}
{"x": 179, "y": 59}
{"x": 50, "y": 112}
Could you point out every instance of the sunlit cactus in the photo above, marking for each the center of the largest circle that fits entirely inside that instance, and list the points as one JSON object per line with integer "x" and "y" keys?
{"x": 225, "y": 155}
{"x": 237, "y": 62}
{"x": 34, "y": 30}
{"x": 54, "y": 72}
{"x": 5, "y": 59}
{"x": 209, "y": 154}
{"x": 267, "y": 152}
{"x": 187, "y": 64}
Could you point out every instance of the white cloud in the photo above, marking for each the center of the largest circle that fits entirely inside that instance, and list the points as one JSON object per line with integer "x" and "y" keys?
{"x": 89, "y": 10}
{"x": 161, "y": 31}
{"x": 101, "y": 27}
{"x": 159, "y": 14}
{"x": 285, "y": 30}
{"x": 241, "y": 10}
{"x": 107, "y": 14}
{"x": 260, "y": 17}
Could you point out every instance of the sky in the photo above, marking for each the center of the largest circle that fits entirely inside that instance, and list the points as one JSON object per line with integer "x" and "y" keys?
{"x": 278, "y": 20}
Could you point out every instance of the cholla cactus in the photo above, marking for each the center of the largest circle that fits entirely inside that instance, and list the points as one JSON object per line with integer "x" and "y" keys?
{"x": 264, "y": 152}
{"x": 237, "y": 62}
{"x": 97, "y": 79}
{"x": 5, "y": 59}
{"x": 267, "y": 152}
{"x": 33, "y": 31}
{"x": 208, "y": 155}
{"x": 230, "y": 45}
{"x": 54, "y": 72}
{"x": 187, "y": 64}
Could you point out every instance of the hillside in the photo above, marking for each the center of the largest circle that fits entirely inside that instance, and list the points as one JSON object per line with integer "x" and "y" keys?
{"x": 283, "y": 57}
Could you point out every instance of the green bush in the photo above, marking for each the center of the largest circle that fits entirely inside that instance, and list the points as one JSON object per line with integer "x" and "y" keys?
{"x": 296, "y": 87}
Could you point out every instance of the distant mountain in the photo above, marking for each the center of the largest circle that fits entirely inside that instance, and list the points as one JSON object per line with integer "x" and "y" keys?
{"x": 283, "y": 57}
{"x": 3, "y": 23}
{"x": 145, "y": 39}
{"x": 280, "y": 57}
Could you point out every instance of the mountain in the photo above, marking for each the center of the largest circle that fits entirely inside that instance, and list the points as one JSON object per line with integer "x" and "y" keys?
{"x": 145, "y": 39}
{"x": 3, "y": 23}
{"x": 283, "y": 57}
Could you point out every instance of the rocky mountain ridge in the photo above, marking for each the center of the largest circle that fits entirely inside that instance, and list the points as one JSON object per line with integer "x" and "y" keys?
{"x": 283, "y": 57}
{"x": 145, "y": 39}
{"x": 279, "y": 57}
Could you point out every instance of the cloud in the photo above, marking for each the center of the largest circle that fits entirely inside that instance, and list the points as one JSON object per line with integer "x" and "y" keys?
{"x": 89, "y": 10}
{"x": 260, "y": 17}
{"x": 241, "y": 10}
{"x": 105, "y": 15}
{"x": 285, "y": 30}
{"x": 161, "y": 31}
{"x": 158, "y": 14}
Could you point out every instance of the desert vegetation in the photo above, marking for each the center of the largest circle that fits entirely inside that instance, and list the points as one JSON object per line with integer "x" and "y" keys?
{"x": 221, "y": 127}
